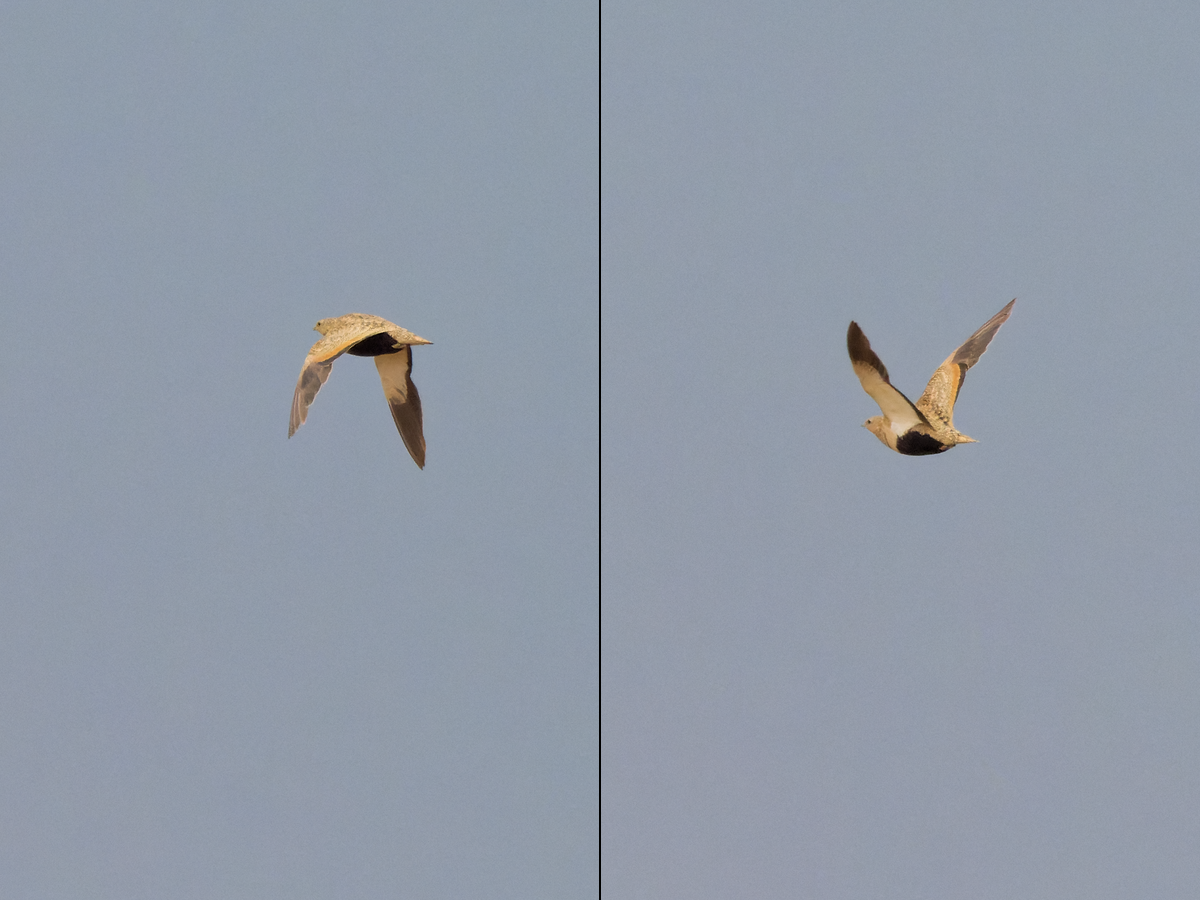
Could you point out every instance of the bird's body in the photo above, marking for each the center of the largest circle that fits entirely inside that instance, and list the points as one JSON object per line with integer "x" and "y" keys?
{"x": 362, "y": 335}
{"x": 927, "y": 426}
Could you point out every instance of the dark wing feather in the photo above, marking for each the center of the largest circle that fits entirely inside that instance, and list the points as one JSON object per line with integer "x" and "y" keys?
{"x": 873, "y": 376}
{"x": 972, "y": 348}
{"x": 315, "y": 372}
{"x": 395, "y": 371}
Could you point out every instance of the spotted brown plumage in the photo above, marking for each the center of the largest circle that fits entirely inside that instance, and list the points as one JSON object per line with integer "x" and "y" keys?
{"x": 926, "y": 427}
{"x": 362, "y": 335}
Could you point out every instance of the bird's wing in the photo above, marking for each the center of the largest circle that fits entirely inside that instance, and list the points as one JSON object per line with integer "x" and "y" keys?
{"x": 317, "y": 366}
{"x": 873, "y": 376}
{"x": 404, "y": 336}
{"x": 395, "y": 371}
{"x": 942, "y": 391}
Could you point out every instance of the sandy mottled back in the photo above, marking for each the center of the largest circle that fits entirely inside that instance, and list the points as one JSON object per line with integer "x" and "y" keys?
{"x": 354, "y": 327}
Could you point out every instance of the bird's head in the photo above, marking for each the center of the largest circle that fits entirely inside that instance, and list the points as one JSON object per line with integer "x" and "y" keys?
{"x": 881, "y": 427}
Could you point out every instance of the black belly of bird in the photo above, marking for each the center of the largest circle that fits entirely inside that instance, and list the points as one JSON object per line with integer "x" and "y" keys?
{"x": 375, "y": 345}
{"x": 914, "y": 443}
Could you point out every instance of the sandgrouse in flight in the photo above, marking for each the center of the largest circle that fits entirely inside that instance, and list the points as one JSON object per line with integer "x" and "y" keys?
{"x": 928, "y": 426}
{"x": 363, "y": 335}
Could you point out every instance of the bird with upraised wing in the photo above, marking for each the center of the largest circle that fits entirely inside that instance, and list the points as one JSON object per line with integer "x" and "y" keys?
{"x": 927, "y": 426}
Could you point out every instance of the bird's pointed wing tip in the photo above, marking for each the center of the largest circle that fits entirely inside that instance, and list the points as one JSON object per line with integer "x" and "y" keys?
{"x": 861, "y": 353}
{"x": 969, "y": 352}
{"x": 404, "y": 401}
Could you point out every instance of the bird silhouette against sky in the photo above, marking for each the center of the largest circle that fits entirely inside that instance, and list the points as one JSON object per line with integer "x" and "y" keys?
{"x": 362, "y": 335}
{"x": 927, "y": 426}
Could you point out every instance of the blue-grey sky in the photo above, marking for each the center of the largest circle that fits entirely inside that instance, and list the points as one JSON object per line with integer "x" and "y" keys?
{"x": 234, "y": 665}
{"x": 831, "y": 671}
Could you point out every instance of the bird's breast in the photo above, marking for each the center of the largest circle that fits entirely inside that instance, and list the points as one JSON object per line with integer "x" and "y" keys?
{"x": 916, "y": 443}
{"x": 375, "y": 345}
